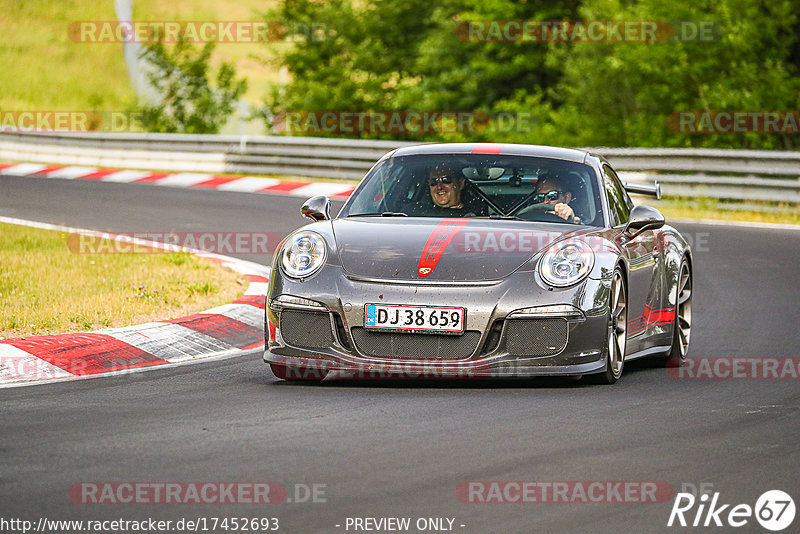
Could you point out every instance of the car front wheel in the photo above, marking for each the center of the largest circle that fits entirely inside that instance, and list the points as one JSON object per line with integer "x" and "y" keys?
{"x": 617, "y": 332}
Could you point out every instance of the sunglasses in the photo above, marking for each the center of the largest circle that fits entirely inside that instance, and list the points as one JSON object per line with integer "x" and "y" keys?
{"x": 550, "y": 195}
{"x": 440, "y": 180}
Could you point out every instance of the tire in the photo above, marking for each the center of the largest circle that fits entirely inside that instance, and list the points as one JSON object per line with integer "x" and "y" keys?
{"x": 682, "y": 328}
{"x": 617, "y": 332}
{"x": 281, "y": 372}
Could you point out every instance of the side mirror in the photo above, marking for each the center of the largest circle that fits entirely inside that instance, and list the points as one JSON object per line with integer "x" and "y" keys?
{"x": 317, "y": 208}
{"x": 644, "y": 218}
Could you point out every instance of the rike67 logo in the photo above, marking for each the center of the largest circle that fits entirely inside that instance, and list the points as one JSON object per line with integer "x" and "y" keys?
{"x": 774, "y": 510}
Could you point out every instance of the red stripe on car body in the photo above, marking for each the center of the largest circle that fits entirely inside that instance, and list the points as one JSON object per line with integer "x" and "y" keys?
{"x": 437, "y": 243}
{"x": 651, "y": 317}
{"x": 488, "y": 148}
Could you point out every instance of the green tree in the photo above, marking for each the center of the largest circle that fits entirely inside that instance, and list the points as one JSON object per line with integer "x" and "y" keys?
{"x": 188, "y": 103}
{"x": 384, "y": 55}
{"x": 622, "y": 94}
{"x": 362, "y": 58}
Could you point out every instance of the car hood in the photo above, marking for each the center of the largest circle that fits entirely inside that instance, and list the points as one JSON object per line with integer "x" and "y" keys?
{"x": 452, "y": 250}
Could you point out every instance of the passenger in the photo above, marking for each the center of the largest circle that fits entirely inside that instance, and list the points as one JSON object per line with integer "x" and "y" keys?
{"x": 446, "y": 187}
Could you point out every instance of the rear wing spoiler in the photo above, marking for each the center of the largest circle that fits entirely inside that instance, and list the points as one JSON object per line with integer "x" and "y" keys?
{"x": 653, "y": 189}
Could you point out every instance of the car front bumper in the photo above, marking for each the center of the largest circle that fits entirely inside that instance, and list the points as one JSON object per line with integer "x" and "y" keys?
{"x": 508, "y": 332}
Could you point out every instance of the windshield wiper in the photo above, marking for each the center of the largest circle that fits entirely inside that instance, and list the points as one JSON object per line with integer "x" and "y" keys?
{"x": 501, "y": 217}
{"x": 382, "y": 214}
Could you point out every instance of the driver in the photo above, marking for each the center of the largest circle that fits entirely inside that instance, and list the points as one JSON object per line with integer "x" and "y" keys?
{"x": 446, "y": 187}
{"x": 551, "y": 190}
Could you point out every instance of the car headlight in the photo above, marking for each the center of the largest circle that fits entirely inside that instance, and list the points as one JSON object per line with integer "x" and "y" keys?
{"x": 567, "y": 263}
{"x": 303, "y": 254}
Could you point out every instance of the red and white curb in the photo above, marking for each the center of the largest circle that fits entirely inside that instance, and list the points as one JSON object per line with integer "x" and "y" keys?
{"x": 225, "y": 331}
{"x": 242, "y": 184}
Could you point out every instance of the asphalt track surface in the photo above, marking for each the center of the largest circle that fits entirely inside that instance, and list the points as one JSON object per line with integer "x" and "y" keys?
{"x": 400, "y": 449}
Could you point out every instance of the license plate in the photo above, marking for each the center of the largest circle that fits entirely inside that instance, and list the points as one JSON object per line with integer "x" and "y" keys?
{"x": 431, "y": 319}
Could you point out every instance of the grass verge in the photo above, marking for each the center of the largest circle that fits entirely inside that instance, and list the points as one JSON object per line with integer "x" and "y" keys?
{"x": 46, "y": 289}
{"x": 710, "y": 209}
{"x": 44, "y": 69}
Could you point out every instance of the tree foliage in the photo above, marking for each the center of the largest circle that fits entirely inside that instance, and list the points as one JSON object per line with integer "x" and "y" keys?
{"x": 381, "y": 55}
{"x": 188, "y": 102}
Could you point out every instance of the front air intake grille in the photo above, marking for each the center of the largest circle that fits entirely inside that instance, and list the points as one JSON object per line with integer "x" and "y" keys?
{"x": 535, "y": 337}
{"x": 415, "y": 346}
{"x": 493, "y": 338}
{"x": 307, "y": 330}
{"x": 341, "y": 332}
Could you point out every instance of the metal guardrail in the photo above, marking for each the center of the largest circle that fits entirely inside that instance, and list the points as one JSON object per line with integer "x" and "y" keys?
{"x": 746, "y": 174}
{"x": 302, "y": 156}
{"x": 702, "y": 160}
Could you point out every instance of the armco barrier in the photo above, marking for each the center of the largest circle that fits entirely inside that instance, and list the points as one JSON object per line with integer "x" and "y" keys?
{"x": 735, "y": 174}
{"x": 300, "y": 156}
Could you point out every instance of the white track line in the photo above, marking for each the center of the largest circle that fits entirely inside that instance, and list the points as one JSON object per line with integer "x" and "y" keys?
{"x": 320, "y": 188}
{"x": 71, "y": 173}
{"x": 24, "y": 169}
{"x": 248, "y": 184}
{"x": 125, "y": 176}
{"x": 240, "y": 312}
{"x": 183, "y": 179}
{"x": 170, "y": 342}
{"x": 257, "y": 288}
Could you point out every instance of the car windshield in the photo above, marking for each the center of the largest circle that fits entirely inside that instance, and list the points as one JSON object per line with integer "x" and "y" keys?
{"x": 479, "y": 185}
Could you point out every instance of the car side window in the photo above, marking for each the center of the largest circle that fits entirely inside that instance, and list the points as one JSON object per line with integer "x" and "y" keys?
{"x": 618, "y": 200}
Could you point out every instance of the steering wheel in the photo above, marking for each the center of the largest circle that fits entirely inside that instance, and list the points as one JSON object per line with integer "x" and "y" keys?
{"x": 543, "y": 212}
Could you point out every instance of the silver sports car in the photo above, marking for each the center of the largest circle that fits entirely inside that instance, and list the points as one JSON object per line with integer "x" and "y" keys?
{"x": 480, "y": 260}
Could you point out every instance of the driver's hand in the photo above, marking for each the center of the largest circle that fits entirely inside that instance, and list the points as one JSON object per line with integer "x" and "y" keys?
{"x": 563, "y": 211}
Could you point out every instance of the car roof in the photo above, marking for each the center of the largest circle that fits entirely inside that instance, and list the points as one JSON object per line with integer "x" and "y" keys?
{"x": 506, "y": 149}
